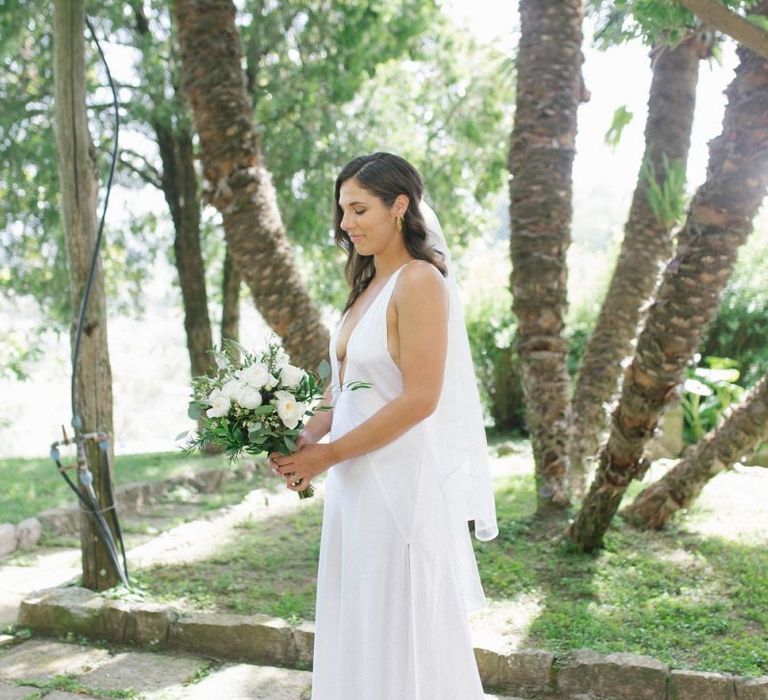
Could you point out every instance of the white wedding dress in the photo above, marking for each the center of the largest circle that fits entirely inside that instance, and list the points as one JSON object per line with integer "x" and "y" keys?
{"x": 393, "y": 592}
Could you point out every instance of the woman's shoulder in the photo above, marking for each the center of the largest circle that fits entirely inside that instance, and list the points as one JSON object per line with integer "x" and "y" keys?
{"x": 420, "y": 279}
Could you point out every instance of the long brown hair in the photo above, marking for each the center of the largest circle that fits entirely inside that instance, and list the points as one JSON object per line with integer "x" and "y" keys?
{"x": 385, "y": 176}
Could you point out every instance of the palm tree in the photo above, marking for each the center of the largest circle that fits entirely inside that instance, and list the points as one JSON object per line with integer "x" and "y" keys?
{"x": 719, "y": 221}
{"x": 238, "y": 183}
{"x": 647, "y": 243}
{"x": 542, "y": 148}
{"x": 743, "y": 430}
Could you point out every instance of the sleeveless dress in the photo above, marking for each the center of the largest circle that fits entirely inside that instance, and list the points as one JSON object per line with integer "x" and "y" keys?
{"x": 391, "y": 615}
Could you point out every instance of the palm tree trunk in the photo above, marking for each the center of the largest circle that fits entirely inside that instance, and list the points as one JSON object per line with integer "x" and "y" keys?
{"x": 239, "y": 185}
{"x": 744, "y": 429}
{"x": 79, "y": 190}
{"x": 542, "y": 148}
{"x": 719, "y": 221}
{"x": 230, "y": 308}
{"x": 646, "y": 245}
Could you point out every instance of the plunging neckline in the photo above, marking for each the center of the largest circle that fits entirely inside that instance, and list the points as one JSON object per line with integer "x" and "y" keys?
{"x": 339, "y": 363}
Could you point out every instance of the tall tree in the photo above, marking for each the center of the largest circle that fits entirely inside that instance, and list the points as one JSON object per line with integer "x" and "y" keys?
{"x": 240, "y": 187}
{"x": 165, "y": 114}
{"x": 743, "y": 430}
{"x": 719, "y": 221}
{"x": 542, "y": 148}
{"x": 230, "y": 307}
{"x": 93, "y": 374}
{"x": 647, "y": 243}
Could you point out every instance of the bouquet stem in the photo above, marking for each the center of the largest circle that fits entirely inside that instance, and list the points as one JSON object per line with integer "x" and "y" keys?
{"x": 307, "y": 492}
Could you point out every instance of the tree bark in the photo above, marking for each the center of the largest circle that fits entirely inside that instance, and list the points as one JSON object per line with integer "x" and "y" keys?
{"x": 79, "y": 190}
{"x": 542, "y": 148}
{"x": 238, "y": 183}
{"x": 719, "y": 221}
{"x": 230, "y": 310}
{"x": 179, "y": 182}
{"x": 715, "y": 14}
{"x": 743, "y": 430}
{"x": 646, "y": 245}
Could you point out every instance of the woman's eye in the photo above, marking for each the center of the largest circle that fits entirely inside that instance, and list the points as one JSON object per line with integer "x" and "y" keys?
{"x": 360, "y": 212}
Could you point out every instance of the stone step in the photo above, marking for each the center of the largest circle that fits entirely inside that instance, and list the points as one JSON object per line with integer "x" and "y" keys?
{"x": 155, "y": 675}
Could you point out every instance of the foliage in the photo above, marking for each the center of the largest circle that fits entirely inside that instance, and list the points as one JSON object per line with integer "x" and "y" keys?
{"x": 740, "y": 329}
{"x": 448, "y": 97}
{"x": 491, "y": 327}
{"x": 621, "y": 118}
{"x": 32, "y": 254}
{"x": 653, "y": 21}
{"x": 707, "y": 393}
{"x": 667, "y": 201}
{"x": 33, "y": 260}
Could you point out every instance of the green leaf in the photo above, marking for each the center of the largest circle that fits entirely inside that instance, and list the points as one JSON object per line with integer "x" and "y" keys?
{"x": 694, "y": 386}
{"x": 759, "y": 21}
{"x": 621, "y": 117}
{"x": 290, "y": 444}
{"x": 324, "y": 369}
{"x": 195, "y": 409}
{"x": 181, "y": 436}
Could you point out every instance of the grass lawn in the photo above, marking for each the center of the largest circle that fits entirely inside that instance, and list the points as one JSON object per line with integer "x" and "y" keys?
{"x": 692, "y": 600}
{"x": 32, "y": 485}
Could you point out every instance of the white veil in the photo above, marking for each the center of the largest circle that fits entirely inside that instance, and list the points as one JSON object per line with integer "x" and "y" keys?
{"x": 457, "y": 424}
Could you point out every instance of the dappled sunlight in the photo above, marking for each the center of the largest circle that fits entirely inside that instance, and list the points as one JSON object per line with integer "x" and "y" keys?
{"x": 733, "y": 506}
{"x": 503, "y": 625}
{"x": 202, "y": 539}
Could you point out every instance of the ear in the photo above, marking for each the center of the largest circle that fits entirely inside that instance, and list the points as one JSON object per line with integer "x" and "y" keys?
{"x": 400, "y": 205}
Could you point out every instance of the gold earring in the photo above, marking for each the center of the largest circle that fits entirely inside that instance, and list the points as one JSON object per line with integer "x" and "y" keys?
{"x": 400, "y": 222}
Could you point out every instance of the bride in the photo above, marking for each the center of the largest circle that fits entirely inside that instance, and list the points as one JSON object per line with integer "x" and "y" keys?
{"x": 406, "y": 456}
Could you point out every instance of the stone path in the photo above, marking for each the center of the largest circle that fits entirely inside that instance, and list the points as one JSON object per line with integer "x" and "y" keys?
{"x": 52, "y": 668}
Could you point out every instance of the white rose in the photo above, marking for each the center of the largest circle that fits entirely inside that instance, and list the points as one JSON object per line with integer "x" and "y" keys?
{"x": 290, "y": 376}
{"x": 231, "y": 389}
{"x": 220, "y": 404}
{"x": 271, "y": 383}
{"x": 248, "y": 397}
{"x": 281, "y": 358}
{"x": 289, "y": 410}
{"x": 257, "y": 375}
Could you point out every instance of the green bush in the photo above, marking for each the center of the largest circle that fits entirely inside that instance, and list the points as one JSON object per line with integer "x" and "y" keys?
{"x": 740, "y": 331}
{"x": 707, "y": 392}
{"x": 491, "y": 328}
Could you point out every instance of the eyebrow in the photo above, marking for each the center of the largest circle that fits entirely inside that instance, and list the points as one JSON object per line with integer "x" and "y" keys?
{"x": 351, "y": 204}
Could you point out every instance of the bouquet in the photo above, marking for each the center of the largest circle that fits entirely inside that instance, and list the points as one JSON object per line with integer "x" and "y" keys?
{"x": 256, "y": 404}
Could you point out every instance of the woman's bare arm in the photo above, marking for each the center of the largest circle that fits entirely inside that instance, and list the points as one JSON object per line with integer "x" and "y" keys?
{"x": 421, "y": 302}
{"x": 319, "y": 424}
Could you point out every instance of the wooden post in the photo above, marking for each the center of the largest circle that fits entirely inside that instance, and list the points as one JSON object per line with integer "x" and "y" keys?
{"x": 79, "y": 190}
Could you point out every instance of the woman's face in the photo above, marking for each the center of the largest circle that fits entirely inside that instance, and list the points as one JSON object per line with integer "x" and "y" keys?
{"x": 369, "y": 222}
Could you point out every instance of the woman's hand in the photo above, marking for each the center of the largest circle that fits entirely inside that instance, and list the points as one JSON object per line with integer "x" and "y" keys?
{"x": 299, "y": 467}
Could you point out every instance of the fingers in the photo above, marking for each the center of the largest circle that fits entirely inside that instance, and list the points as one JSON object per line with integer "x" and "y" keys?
{"x": 278, "y": 462}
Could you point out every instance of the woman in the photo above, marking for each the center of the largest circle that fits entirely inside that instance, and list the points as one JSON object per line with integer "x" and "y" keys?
{"x": 407, "y": 457}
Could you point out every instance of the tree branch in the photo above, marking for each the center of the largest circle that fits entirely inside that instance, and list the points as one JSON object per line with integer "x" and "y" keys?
{"x": 148, "y": 173}
{"x": 714, "y": 13}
